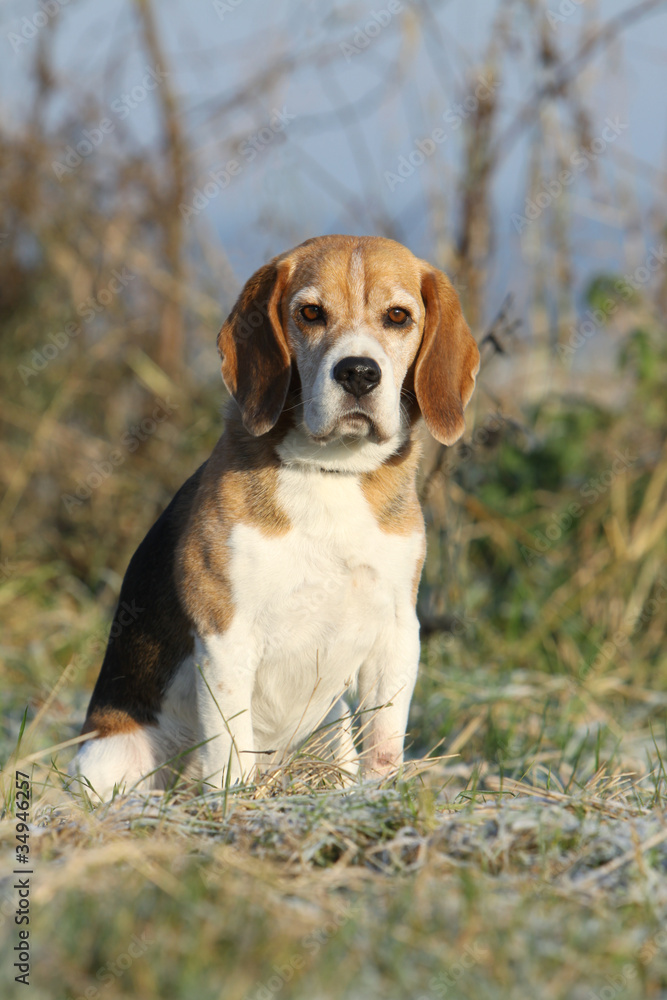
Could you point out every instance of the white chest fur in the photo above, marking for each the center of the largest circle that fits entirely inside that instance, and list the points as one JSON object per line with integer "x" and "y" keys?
{"x": 316, "y": 599}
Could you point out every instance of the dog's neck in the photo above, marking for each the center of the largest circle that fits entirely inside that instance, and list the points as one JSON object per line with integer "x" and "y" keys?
{"x": 347, "y": 455}
{"x": 248, "y": 475}
{"x": 289, "y": 445}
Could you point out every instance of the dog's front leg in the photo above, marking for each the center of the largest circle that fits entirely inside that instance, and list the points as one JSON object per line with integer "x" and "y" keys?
{"x": 225, "y": 675}
{"x": 386, "y": 683}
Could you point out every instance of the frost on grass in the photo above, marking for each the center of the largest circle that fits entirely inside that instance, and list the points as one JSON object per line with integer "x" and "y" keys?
{"x": 601, "y": 837}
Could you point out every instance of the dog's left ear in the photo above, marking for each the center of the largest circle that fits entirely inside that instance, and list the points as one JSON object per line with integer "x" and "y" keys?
{"x": 447, "y": 361}
{"x": 256, "y": 363}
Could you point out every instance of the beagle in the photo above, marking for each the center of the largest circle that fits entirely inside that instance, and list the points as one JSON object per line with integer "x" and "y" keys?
{"x": 285, "y": 571}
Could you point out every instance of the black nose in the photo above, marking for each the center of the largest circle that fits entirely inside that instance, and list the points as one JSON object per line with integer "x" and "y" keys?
{"x": 357, "y": 375}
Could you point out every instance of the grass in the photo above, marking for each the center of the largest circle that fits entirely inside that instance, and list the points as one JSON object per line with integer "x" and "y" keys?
{"x": 460, "y": 877}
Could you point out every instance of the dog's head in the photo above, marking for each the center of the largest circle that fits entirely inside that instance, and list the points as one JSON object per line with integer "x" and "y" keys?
{"x": 366, "y": 326}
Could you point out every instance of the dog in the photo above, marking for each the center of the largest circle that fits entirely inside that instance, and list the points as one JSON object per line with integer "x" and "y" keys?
{"x": 284, "y": 573}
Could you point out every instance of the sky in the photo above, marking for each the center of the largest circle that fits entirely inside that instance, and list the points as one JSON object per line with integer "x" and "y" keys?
{"x": 319, "y": 149}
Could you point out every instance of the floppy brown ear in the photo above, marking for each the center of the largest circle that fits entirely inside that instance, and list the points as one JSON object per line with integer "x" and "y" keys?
{"x": 255, "y": 355}
{"x": 447, "y": 361}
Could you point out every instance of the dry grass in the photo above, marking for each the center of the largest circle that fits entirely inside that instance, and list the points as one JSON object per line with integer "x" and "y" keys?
{"x": 376, "y": 890}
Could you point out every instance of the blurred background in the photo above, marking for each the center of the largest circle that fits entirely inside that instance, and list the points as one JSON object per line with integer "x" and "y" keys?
{"x": 153, "y": 156}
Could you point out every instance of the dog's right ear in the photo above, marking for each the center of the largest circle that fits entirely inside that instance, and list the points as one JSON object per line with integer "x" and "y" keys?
{"x": 256, "y": 363}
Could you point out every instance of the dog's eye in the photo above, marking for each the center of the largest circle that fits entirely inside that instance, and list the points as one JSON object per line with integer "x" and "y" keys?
{"x": 312, "y": 313}
{"x": 398, "y": 316}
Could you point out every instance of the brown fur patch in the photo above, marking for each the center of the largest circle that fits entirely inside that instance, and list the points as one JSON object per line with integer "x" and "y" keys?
{"x": 109, "y": 721}
{"x": 239, "y": 486}
{"x": 391, "y": 492}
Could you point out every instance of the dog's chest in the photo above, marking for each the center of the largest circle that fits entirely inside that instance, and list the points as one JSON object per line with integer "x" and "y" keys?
{"x": 323, "y": 590}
